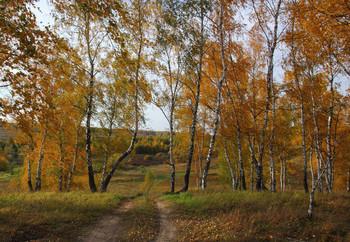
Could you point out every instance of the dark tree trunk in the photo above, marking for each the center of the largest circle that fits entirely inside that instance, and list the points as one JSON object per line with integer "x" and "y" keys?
{"x": 40, "y": 162}
{"x": 29, "y": 178}
{"x": 196, "y": 103}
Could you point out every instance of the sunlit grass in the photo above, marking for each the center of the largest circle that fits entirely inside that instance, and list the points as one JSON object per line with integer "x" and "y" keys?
{"x": 207, "y": 215}
{"x": 49, "y": 215}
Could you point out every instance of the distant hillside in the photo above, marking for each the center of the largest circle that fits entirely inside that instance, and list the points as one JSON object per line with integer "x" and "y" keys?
{"x": 153, "y": 133}
{"x": 5, "y": 135}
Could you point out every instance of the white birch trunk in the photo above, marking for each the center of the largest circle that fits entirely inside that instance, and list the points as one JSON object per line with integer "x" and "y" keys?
{"x": 74, "y": 158}
{"x": 218, "y": 100}
{"x": 234, "y": 183}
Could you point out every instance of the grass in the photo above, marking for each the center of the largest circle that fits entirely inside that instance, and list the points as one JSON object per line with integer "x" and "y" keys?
{"x": 214, "y": 214}
{"x": 49, "y": 215}
{"x": 204, "y": 216}
{"x": 141, "y": 222}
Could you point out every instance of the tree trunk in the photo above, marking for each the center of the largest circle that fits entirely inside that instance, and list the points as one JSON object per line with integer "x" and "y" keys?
{"x": 105, "y": 183}
{"x": 284, "y": 173}
{"x": 253, "y": 161}
{"x": 196, "y": 103}
{"x": 272, "y": 138}
{"x": 272, "y": 43}
{"x": 60, "y": 180}
{"x": 90, "y": 101}
{"x": 240, "y": 159}
{"x": 281, "y": 176}
{"x": 218, "y": 100}
{"x": 317, "y": 139}
{"x": 40, "y": 162}
{"x": 29, "y": 178}
{"x": 348, "y": 182}
{"x": 311, "y": 201}
{"x": 234, "y": 183}
{"x": 306, "y": 187}
{"x": 301, "y": 97}
{"x": 106, "y": 152}
{"x": 312, "y": 168}
{"x": 172, "y": 163}
{"x": 74, "y": 158}
{"x": 329, "y": 171}
{"x": 88, "y": 143}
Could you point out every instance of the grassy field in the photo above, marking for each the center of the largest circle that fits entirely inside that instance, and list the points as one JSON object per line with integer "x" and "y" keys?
{"x": 214, "y": 214}
{"x": 259, "y": 216}
{"x": 50, "y": 215}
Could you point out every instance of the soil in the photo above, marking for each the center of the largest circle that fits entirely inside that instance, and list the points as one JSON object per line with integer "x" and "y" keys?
{"x": 167, "y": 228}
{"x": 109, "y": 227}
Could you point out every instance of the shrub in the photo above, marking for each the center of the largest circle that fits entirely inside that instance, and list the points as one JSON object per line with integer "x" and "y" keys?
{"x": 4, "y": 163}
{"x": 159, "y": 155}
{"x": 147, "y": 184}
{"x": 148, "y": 157}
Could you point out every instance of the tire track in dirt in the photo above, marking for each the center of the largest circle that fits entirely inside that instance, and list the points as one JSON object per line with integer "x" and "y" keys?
{"x": 108, "y": 227}
{"x": 167, "y": 230}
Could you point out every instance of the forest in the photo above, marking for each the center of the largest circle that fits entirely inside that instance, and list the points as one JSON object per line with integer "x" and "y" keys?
{"x": 254, "y": 93}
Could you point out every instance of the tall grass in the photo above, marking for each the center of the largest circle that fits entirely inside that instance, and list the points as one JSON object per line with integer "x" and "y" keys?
{"x": 259, "y": 215}
{"x": 49, "y": 215}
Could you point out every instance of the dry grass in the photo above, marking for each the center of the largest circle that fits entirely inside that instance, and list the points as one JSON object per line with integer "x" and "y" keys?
{"x": 141, "y": 222}
{"x": 207, "y": 216}
{"x": 216, "y": 214}
{"x": 49, "y": 216}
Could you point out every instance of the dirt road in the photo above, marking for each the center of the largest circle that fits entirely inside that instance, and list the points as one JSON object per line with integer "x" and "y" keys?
{"x": 109, "y": 227}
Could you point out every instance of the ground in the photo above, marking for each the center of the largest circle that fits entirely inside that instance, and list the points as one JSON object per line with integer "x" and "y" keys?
{"x": 124, "y": 214}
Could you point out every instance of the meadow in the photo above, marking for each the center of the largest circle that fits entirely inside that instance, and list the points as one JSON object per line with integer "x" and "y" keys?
{"x": 215, "y": 214}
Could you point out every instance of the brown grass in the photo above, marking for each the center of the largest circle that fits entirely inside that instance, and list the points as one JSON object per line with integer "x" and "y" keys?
{"x": 205, "y": 216}
{"x": 141, "y": 222}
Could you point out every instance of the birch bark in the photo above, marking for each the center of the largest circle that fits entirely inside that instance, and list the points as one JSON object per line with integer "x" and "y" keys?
{"x": 196, "y": 102}
{"x": 218, "y": 99}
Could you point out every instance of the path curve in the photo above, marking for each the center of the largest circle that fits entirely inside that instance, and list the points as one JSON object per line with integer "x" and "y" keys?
{"x": 108, "y": 227}
{"x": 167, "y": 228}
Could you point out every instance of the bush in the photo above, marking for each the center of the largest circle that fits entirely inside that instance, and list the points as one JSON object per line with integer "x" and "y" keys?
{"x": 159, "y": 155}
{"x": 4, "y": 163}
{"x": 148, "y": 157}
{"x": 147, "y": 184}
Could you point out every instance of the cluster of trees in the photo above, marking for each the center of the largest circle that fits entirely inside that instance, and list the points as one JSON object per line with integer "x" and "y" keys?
{"x": 210, "y": 66}
{"x": 152, "y": 145}
{"x": 10, "y": 156}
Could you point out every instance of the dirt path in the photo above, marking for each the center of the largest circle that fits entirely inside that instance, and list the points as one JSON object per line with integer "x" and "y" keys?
{"x": 167, "y": 228}
{"x": 108, "y": 227}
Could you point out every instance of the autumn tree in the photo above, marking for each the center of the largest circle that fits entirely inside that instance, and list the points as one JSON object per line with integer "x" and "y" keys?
{"x": 170, "y": 54}
{"x": 267, "y": 14}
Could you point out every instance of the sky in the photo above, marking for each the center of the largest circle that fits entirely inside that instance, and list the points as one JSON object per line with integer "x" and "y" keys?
{"x": 155, "y": 119}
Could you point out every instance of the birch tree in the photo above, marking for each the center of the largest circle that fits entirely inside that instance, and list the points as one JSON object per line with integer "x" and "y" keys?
{"x": 134, "y": 58}
{"x": 219, "y": 87}
{"x": 267, "y": 15}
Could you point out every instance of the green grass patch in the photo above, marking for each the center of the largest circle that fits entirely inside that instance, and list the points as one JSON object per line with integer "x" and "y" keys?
{"x": 49, "y": 215}
{"x": 5, "y": 175}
